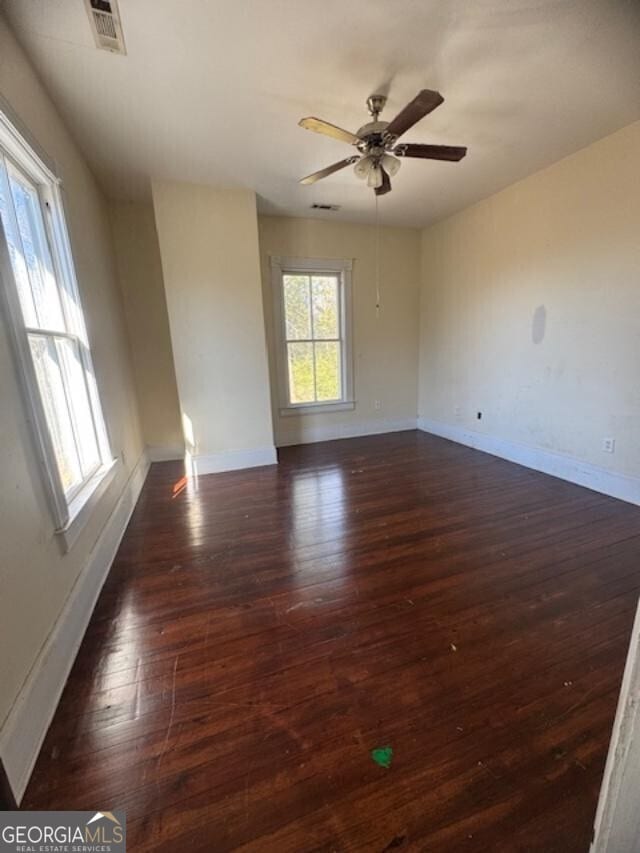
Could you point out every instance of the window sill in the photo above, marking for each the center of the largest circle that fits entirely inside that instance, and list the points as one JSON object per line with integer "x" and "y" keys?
{"x": 83, "y": 504}
{"x": 318, "y": 408}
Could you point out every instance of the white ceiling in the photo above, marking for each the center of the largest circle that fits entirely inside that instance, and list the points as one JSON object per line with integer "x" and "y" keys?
{"x": 212, "y": 91}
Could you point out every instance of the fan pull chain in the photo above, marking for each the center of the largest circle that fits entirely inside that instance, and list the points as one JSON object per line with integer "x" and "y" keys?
{"x": 377, "y": 260}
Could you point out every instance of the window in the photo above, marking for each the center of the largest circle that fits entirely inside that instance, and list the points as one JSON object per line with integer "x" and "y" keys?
{"x": 45, "y": 315}
{"x": 312, "y": 304}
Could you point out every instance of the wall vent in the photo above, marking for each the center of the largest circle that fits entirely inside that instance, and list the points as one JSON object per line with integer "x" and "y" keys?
{"x": 325, "y": 207}
{"x": 104, "y": 18}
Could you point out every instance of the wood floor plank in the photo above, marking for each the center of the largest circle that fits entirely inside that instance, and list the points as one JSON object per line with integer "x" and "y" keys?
{"x": 262, "y": 631}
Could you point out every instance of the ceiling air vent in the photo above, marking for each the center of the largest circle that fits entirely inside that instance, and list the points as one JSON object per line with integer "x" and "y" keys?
{"x": 104, "y": 18}
{"x": 325, "y": 207}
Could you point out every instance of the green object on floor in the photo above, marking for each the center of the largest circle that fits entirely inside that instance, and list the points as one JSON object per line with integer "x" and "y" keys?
{"x": 382, "y": 755}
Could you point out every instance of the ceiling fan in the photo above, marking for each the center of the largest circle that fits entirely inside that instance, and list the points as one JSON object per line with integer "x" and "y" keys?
{"x": 377, "y": 142}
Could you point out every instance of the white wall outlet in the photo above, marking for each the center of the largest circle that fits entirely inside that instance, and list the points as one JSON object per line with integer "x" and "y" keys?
{"x": 609, "y": 445}
{"x": 377, "y": 404}
{"x": 457, "y": 412}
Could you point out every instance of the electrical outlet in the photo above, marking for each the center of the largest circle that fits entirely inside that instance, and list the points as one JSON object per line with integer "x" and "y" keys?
{"x": 377, "y": 405}
{"x": 609, "y": 445}
{"x": 457, "y": 412}
{"x": 479, "y": 416}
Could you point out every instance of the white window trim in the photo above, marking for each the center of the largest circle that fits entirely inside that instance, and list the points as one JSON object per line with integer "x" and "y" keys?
{"x": 343, "y": 267}
{"x": 69, "y": 516}
{"x": 82, "y": 506}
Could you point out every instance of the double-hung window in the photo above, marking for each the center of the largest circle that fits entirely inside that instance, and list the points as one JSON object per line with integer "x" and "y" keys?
{"x": 44, "y": 312}
{"x": 312, "y": 311}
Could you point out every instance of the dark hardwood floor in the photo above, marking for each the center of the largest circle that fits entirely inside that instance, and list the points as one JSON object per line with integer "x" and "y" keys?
{"x": 262, "y": 631}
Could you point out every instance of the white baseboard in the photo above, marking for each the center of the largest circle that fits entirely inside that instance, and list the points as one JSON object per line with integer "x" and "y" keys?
{"x": 24, "y": 729}
{"x": 304, "y": 433}
{"x": 165, "y": 454}
{"x": 617, "y": 823}
{"x": 575, "y": 471}
{"x": 232, "y": 460}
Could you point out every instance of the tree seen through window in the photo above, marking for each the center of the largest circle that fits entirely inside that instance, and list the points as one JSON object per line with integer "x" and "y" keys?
{"x": 313, "y": 339}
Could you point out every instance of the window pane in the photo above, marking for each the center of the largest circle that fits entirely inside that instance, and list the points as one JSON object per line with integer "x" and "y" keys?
{"x": 328, "y": 378}
{"x": 36, "y": 255}
{"x": 15, "y": 254}
{"x": 94, "y": 400}
{"x": 73, "y": 373}
{"x": 297, "y": 307}
{"x": 325, "y": 306}
{"x": 300, "y": 360}
{"x": 45, "y": 359}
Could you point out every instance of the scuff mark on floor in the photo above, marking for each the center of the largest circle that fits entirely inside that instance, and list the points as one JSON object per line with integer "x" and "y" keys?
{"x": 173, "y": 711}
{"x": 396, "y": 842}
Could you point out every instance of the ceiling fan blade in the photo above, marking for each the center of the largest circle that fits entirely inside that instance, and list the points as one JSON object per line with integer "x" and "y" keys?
{"x": 328, "y": 170}
{"x": 386, "y": 183}
{"x": 431, "y": 152}
{"x": 423, "y": 103}
{"x": 320, "y": 126}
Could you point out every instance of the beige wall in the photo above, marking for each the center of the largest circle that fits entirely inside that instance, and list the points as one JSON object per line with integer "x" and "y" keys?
{"x": 531, "y": 309}
{"x": 35, "y": 579}
{"x": 209, "y": 249}
{"x": 385, "y": 348}
{"x": 140, "y": 276}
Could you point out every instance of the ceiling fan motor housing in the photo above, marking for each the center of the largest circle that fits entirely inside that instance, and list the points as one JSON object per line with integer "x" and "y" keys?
{"x": 372, "y": 134}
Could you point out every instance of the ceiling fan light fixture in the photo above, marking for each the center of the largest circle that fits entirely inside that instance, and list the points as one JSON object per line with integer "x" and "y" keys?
{"x": 377, "y": 142}
{"x": 363, "y": 167}
{"x": 390, "y": 164}
{"x": 374, "y": 178}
